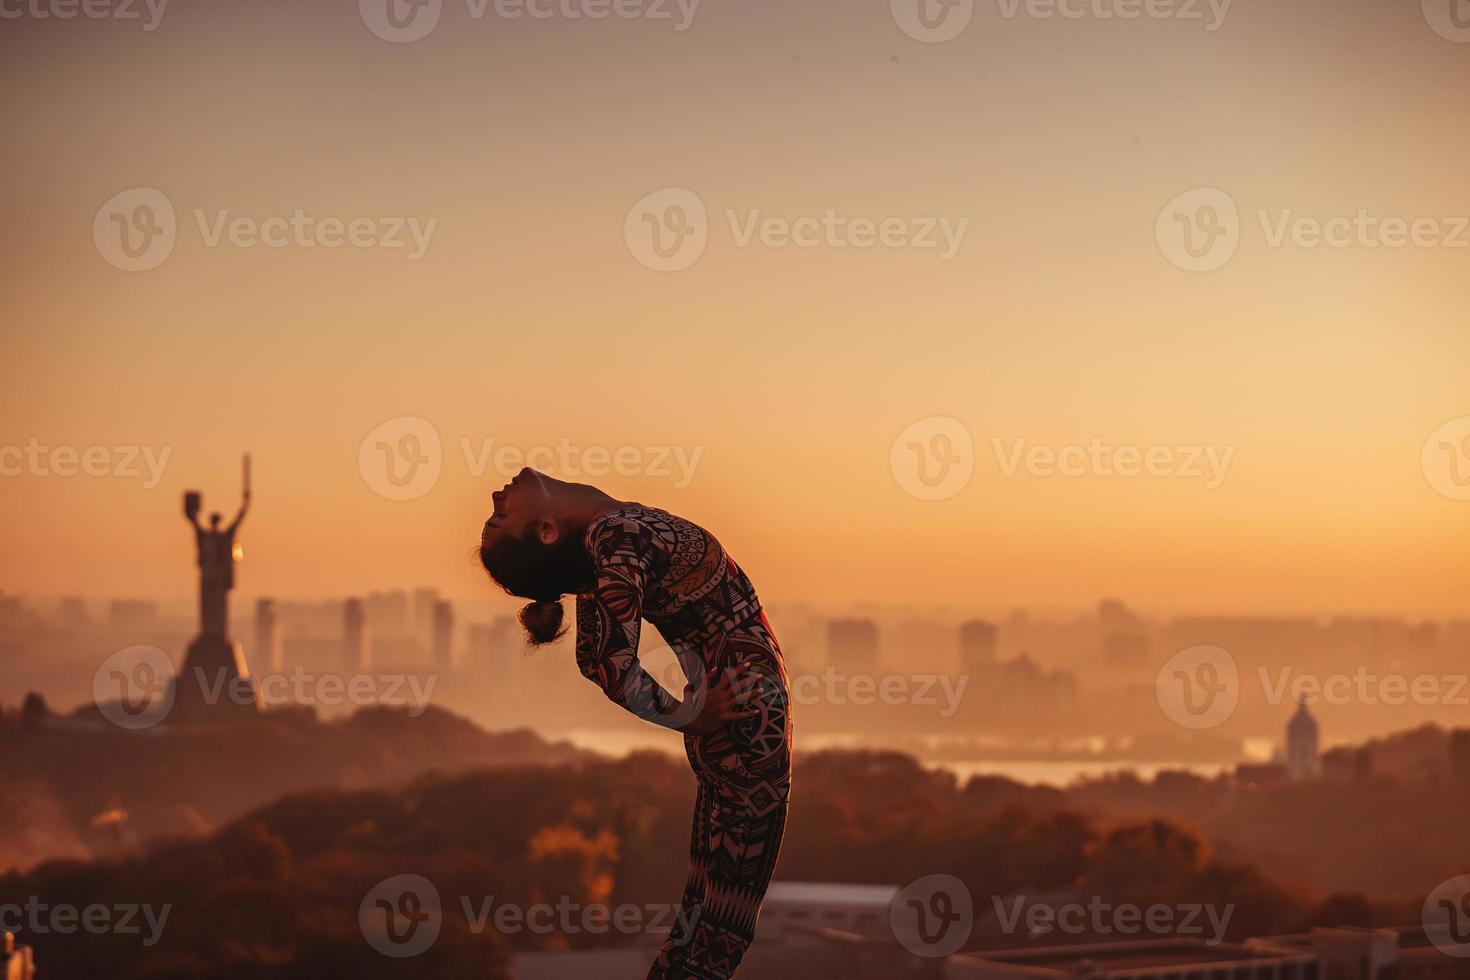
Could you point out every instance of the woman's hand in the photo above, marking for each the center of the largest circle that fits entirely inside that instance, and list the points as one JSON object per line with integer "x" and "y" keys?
{"x": 726, "y": 699}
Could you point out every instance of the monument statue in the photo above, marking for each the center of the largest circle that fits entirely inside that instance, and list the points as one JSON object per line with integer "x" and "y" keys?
{"x": 216, "y": 560}
{"x": 214, "y": 679}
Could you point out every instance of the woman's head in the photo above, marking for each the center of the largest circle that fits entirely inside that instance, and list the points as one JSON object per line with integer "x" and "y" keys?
{"x": 530, "y": 551}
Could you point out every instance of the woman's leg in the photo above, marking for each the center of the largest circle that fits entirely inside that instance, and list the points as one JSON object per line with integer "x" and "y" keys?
{"x": 732, "y": 855}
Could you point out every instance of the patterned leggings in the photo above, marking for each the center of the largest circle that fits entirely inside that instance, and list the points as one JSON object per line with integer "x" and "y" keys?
{"x": 739, "y": 818}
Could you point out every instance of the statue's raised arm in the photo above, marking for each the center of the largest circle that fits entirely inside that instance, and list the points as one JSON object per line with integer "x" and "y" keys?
{"x": 192, "y": 503}
{"x": 244, "y": 494}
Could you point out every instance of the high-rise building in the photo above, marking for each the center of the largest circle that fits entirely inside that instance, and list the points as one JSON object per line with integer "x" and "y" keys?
{"x": 268, "y": 651}
{"x": 1124, "y": 648}
{"x": 355, "y": 649}
{"x": 423, "y": 615}
{"x": 443, "y": 645}
{"x": 977, "y": 644}
{"x": 852, "y": 644}
{"x": 388, "y": 612}
{"x": 132, "y": 614}
{"x": 72, "y": 611}
{"x": 1303, "y": 758}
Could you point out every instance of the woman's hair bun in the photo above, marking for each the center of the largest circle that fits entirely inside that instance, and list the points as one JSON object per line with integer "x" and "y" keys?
{"x": 543, "y": 621}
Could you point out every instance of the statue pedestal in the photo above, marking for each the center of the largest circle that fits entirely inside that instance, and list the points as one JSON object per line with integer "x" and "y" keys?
{"x": 214, "y": 684}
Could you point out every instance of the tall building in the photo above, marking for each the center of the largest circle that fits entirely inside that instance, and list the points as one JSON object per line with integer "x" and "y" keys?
{"x": 1125, "y": 649}
{"x": 443, "y": 645}
{"x": 388, "y": 612}
{"x": 132, "y": 614}
{"x": 268, "y": 651}
{"x": 977, "y": 644}
{"x": 72, "y": 611}
{"x": 852, "y": 644}
{"x": 355, "y": 649}
{"x": 423, "y": 615}
{"x": 1303, "y": 758}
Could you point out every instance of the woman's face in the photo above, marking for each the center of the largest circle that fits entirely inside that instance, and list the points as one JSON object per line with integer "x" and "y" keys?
{"x": 523, "y": 500}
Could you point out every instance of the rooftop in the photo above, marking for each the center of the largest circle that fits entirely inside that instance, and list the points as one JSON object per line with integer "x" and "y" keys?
{"x": 1130, "y": 956}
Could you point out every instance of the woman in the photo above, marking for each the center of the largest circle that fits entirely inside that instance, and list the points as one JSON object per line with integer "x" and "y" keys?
{"x": 626, "y": 562}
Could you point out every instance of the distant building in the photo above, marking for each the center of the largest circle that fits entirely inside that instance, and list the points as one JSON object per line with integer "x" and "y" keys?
{"x": 1303, "y": 757}
{"x": 268, "y": 650}
{"x": 491, "y": 646}
{"x": 132, "y": 614}
{"x": 1125, "y": 649}
{"x": 423, "y": 615}
{"x": 794, "y": 911}
{"x": 1356, "y": 953}
{"x": 355, "y": 649}
{"x": 1113, "y": 616}
{"x": 1156, "y": 959}
{"x": 978, "y": 643}
{"x": 72, "y": 611}
{"x": 388, "y": 612}
{"x": 852, "y": 644}
{"x": 443, "y": 645}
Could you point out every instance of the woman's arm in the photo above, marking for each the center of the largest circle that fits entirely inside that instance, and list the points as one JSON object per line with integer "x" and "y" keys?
{"x": 608, "y": 628}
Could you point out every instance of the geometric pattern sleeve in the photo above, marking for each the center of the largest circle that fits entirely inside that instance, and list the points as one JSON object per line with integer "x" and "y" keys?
{"x": 608, "y": 621}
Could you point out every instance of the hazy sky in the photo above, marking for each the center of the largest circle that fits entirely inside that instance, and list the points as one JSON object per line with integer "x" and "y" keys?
{"x": 1048, "y": 147}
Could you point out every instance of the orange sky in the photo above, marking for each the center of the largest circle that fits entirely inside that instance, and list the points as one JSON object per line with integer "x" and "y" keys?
{"x": 791, "y": 371}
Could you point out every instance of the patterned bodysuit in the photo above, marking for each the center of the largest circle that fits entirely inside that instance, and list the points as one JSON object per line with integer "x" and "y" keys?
{"x": 655, "y": 566}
